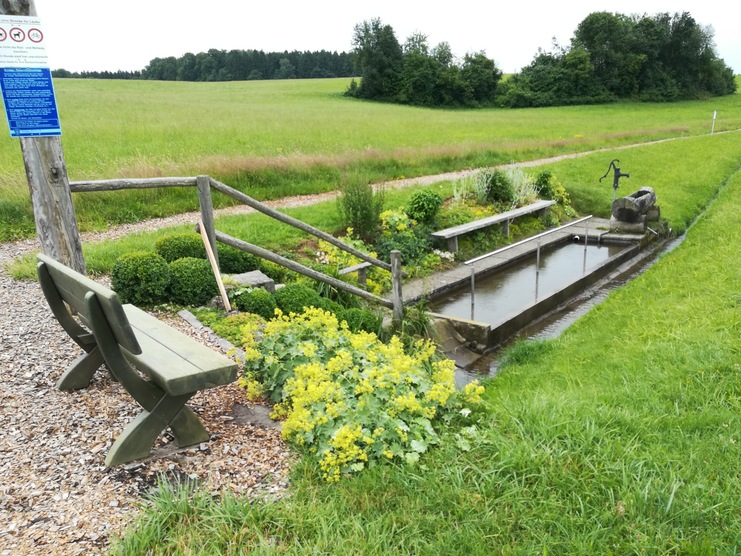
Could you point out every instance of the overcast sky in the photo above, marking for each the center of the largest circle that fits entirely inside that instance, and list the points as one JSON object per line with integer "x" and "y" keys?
{"x": 108, "y": 35}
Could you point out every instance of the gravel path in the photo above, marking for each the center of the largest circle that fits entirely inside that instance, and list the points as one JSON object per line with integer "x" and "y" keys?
{"x": 56, "y": 495}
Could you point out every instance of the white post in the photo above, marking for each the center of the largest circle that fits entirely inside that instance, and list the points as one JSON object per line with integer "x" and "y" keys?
{"x": 715, "y": 113}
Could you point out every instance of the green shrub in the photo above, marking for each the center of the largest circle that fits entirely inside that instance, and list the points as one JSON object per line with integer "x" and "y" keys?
{"x": 544, "y": 183}
{"x": 141, "y": 278}
{"x": 333, "y": 307}
{"x": 193, "y": 282}
{"x": 294, "y": 297}
{"x": 275, "y": 272}
{"x": 361, "y": 320}
{"x": 412, "y": 246}
{"x": 360, "y": 208}
{"x": 424, "y": 206}
{"x": 234, "y": 261}
{"x": 499, "y": 187}
{"x": 179, "y": 246}
{"x": 259, "y": 302}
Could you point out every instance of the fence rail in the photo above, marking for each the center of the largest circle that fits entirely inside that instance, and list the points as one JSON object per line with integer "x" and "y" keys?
{"x": 120, "y": 184}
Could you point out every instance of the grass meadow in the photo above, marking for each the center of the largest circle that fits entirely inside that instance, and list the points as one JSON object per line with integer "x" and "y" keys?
{"x": 279, "y": 138}
{"x": 684, "y": 173}
{"x": 623, "y": 436}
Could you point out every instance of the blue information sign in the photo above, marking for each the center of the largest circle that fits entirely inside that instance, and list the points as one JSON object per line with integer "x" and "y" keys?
{"x": 28, "y": 95}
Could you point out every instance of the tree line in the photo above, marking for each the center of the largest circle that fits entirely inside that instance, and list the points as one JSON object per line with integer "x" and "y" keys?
{"x": 235, "y": 65}
{"x": 665, "y": 57}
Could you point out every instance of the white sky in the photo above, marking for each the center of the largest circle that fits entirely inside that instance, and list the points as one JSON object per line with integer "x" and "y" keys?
{"x": 110, "y": 35}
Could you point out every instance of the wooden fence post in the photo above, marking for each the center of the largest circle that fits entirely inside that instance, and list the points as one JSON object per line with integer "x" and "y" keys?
{"x": 396, "y": 298}
{"x": 53, "y": 210}
{"x": 207, "y": 212}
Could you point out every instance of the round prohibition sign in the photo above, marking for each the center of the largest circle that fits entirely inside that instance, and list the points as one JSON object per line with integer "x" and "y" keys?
{"x": 34, "y": 35}
{"x": 3, "y": 34}
{"x": 18, "y": 35}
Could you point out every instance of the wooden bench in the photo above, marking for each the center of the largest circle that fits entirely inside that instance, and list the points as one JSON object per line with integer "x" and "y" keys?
{"x": 362, "y": 271}
{"x": 451, "y": 234}
{"x": 176, "y": 365}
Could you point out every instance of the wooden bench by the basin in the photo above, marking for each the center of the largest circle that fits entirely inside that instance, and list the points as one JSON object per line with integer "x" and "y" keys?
{"x": 361, "y": 269}
{"x": 451, "y": 234}
{"x": 177, "y": 366}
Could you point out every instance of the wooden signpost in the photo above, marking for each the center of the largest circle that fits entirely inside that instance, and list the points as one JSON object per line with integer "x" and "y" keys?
{"x": 53, "y": 210}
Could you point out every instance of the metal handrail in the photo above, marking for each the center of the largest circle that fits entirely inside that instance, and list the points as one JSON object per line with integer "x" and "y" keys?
{"x": 531, "y": 238}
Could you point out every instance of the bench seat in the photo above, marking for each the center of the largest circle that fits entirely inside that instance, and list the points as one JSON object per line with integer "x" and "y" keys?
{"x": 451, "y": 234}
{"x": 175, "y": 362}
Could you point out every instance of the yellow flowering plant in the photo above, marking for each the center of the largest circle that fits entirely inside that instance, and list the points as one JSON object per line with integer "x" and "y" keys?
{"x": 396, "y": 221}
{"x": 353, "y": 400}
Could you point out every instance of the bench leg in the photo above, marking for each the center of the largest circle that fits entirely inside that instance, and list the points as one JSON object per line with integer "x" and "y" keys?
{"x": 188, "y": 429}
{"x": 505, "y": 228}
{"x": 80, "y": 372}
{"x": 136, "y": 441}
{"x": 362, "y": 277}
{"x": 453, "y": 244}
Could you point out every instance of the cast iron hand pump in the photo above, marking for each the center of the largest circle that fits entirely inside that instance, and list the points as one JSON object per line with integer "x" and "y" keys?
{"x": 616, "y": 177}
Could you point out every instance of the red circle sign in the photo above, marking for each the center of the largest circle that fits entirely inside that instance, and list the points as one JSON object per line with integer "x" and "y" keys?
{"x": 35, "y": 35}
{"x": 18, "y": 35}
{"x": 3, "y": 34}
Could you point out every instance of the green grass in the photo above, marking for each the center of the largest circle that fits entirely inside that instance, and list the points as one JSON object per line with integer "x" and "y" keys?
{"x": 291, "y": 137}
{"x": 684, "y": 174}
{"x": 623, "y": 436}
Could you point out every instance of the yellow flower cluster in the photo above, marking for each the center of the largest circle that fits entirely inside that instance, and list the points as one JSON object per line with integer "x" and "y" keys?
{"x": 345, "y": 451}
{"x": 356, "y": 399}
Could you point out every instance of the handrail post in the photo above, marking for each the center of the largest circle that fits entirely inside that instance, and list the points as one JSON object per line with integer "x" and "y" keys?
{"x": 396, "y": 297}
{"x": 473, "y": 289}
{"x": 586, "y": 241}
{"x": 537, "y": 269}
{"x": 207, "y": 212}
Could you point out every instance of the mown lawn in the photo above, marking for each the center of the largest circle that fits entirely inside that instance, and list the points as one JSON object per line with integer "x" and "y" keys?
{"x": 623, "y": 436}
{"x": 279, "y": 138}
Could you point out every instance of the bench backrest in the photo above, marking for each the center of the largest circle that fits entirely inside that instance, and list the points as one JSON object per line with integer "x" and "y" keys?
{"x": 73, "y": 287}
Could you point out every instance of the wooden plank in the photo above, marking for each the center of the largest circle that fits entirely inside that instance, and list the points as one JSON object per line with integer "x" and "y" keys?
{"x": 174, "y": 361}
{"x": 214, "y": 266}
{"x": 138, "y": 183}
{"x": 296, "y": 267}
{"x": 491, "y": 220}
{"x": 250, "y": 202}
{"x": 355, "y": 268}
{"x": 73, "y": 287}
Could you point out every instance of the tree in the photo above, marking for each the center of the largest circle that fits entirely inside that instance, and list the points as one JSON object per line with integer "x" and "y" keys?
{"x": 378, "y": 58}
{"x": 285, "y": 71}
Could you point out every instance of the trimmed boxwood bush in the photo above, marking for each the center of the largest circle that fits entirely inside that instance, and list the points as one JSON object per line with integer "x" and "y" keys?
{"x": 179, "y": 246}
{"x": 258, "y": 301}
{"x": 234, "y": 261}
{"x": 193, "y": 282}
{"x": 141, "y": 278}
{"x": 294, "y": 297}
{"x": 359, "y": 319}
